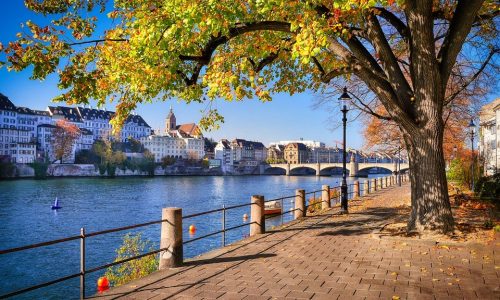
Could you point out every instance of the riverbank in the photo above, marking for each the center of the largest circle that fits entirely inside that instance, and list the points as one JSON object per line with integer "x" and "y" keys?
{"x": 20, "y": 171}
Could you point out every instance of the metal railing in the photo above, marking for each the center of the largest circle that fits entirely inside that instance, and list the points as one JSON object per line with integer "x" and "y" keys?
{"x": 224, "y": 229}
{"x": 83, "y": 271}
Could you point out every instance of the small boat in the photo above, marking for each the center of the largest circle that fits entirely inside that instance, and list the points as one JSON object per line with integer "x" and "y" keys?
{"x": 56, "y": 204}
{"x": 272, "y": 208}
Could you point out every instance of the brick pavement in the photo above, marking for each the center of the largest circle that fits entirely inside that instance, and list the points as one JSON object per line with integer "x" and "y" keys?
{"x": 330, "y": 257}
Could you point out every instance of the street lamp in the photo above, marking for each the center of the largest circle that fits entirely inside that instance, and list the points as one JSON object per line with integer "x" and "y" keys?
{"x": 399, "y": 166}
{"x": 472, "y": 130}
{"x": 343, "y": 188}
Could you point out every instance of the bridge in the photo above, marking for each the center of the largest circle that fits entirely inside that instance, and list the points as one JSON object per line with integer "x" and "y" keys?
{"x": 353, "y": 168}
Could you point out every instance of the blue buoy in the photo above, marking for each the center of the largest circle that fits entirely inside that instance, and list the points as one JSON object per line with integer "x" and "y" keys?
{"x": 56, "y": 204}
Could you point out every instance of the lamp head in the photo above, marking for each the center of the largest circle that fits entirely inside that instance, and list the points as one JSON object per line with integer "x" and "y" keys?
{"x": 345, "y": 96}
{"x": 472, "y": 126}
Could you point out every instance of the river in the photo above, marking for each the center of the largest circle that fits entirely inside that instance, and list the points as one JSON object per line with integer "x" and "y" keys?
{"x": 98, "y": 204}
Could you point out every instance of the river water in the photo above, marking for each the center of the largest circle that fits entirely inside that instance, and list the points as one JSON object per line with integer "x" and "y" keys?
{"x": 98, "y": 204}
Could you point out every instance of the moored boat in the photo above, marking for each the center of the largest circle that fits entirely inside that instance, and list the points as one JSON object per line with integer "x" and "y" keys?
{"x": 272, "y": 208}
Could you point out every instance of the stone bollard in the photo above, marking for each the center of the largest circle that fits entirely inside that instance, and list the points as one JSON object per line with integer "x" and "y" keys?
{"x": 325, "y": 197}
{"x": 366, "y": 187}
{"x": 171, "y": 238}
{"x": 356, "y": 189}
{"x": 300, "y": 204}
{"x": 257, "y": 219}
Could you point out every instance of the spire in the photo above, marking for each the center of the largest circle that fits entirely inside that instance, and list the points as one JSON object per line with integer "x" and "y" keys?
{"x": 170, "y": 121}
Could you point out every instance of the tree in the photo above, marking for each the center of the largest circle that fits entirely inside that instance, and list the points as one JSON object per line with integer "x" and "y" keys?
{"x": 238, "y": 49}
{"x": 64, "y": 136}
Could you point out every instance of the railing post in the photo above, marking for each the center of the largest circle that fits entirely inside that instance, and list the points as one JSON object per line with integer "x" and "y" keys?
{"x": 375, "y": 187}
{"x": 223, "y": 225}
{"x": 325, "y": 197}
{"x": 257, "y": 219}
{"x": 300, "y": 204}
{"x": 171, "y": 238}
{"x": 82, "y": 263}
{"x": 386, "y": 181}
{"x": 356, "y": 189}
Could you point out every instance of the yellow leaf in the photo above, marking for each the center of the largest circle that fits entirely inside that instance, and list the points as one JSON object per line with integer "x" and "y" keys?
{"x": 394, "y": 273}
{"x": 395, "y": 297}
{"x": 435, "y": 279}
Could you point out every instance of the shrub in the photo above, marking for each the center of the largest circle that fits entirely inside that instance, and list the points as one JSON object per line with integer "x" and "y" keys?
{"x": 314, "y": 205}
{"x": 7, "y": 169}
{"x": 40, "y": 169}
{"x": 133, "y": 245}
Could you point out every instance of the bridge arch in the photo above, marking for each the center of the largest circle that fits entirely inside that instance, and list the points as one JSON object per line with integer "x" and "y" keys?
{"x": 302, "y": 170}
{"x": 366, "y": 170}
{"x": 275, "y": 171}
{"x": 333, "y": 170}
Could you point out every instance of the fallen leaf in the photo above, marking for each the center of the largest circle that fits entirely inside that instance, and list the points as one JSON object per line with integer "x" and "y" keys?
{"x": 435, "y": 279}
{"x": 395, "y": 297}
{"x": 394, "y": 273}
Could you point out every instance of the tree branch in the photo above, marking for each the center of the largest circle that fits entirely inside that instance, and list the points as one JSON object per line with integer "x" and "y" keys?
{"x": 239, "y": 29}
{"x": 473, "y": 77}
{"x": 391, "y": 67}
{"x": 460, "y": 26}
{"x": 394, "y": 21}
{"x": 97, "y": 41}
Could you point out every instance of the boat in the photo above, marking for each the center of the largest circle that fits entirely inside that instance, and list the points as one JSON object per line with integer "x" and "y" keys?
{"x": 56, "y": 204}
{"x": 272, "y": 208}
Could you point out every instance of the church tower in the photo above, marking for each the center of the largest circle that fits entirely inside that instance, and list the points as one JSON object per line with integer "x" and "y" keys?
{"x": 170, "y": 122}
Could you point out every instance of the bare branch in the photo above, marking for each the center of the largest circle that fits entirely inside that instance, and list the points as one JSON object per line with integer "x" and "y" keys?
{"x": 473, "y": 77}
{"x": 97, "y": 41}
{"x": 460, "y": 26}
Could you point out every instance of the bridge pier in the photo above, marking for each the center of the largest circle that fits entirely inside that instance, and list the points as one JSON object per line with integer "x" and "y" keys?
{"x": 287, "y": 170}
{"x": 318, "y": 169}
{"x": 353, "y": 167}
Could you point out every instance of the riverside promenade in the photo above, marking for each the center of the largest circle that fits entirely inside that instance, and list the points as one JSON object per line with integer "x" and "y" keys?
{"x": 329, "y": 256}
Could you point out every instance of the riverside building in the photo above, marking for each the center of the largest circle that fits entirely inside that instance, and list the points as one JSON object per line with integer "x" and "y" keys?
{"x": 26, "y": 134}
{"x": 183, "y": 141}
{"x": 489, "y": 127}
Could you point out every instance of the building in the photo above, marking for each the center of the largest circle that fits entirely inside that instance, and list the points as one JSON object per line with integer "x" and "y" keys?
{"x": 25, "y": 134}
{"x": 296, "y": 153}
{"x": 489, "y": 127}
{"x": 309, "y": 144}
{"x": 178, "y": 141}
{"x": 190, "y": 129}
{"x": 275, "y": 153}
{"x": 222, "y": 152}
{"x": 17, "y": 132}
{"x": 246, "y": 154}
{"x": 97, "y": 121}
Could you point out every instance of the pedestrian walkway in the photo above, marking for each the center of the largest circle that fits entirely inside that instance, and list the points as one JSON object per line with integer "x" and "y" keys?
{"x": 328, "y": 256}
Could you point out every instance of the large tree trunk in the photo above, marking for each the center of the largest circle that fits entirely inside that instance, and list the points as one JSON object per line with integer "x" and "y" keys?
{"x": 430, "y": 205}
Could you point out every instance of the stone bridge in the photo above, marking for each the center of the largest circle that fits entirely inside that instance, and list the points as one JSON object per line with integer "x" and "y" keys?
{"x": 353, "y": 168}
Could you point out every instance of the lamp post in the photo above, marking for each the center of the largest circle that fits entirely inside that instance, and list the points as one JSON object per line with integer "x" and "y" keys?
{"x": 472, "y": 129}
{"x": 399, "y": 166}
{"x": 343, "y": 188}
